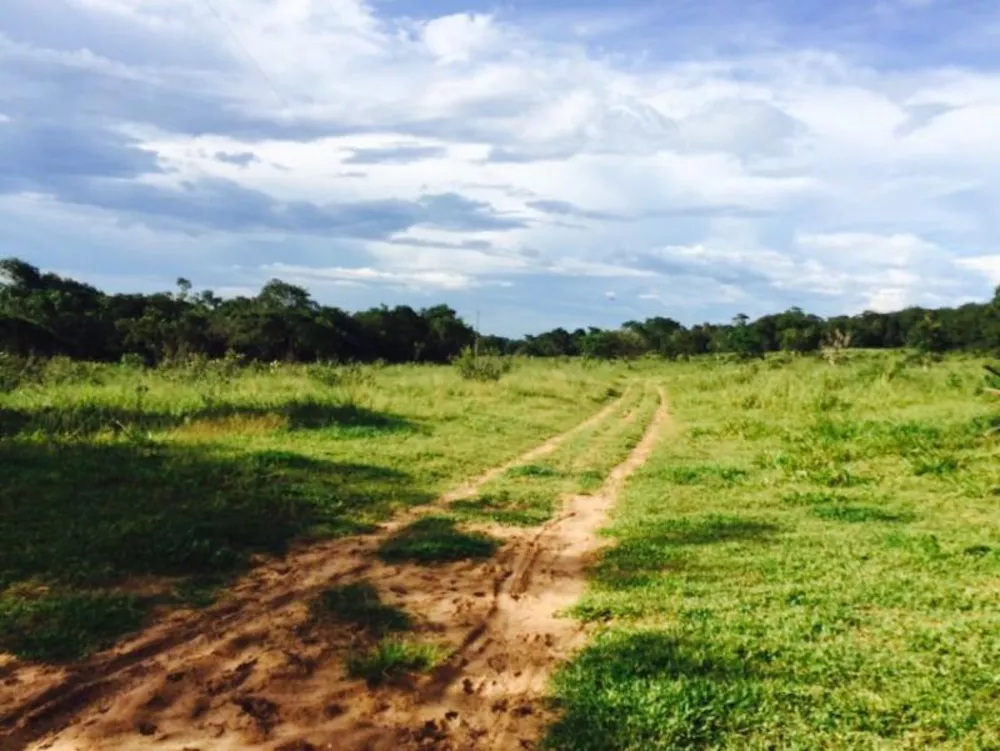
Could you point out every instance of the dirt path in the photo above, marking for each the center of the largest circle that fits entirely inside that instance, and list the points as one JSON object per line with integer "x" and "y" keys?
{"x": 257, "y": 671}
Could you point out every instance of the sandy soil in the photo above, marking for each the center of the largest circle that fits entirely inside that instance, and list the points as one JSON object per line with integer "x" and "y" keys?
{"x": 259, "y": 671}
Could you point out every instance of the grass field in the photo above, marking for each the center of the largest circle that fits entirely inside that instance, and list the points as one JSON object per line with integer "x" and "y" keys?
{"x": 812, "y": 560}
{"x": 809, "y": 559}
{"x": 126, "y": 489}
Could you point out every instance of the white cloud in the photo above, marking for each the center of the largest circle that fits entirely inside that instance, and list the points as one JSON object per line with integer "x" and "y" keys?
{"x": 459, "y": 37}
{"x": 793, "y": 174}
{"x": 422, "y": 280}
{"x": 988, "y": 266}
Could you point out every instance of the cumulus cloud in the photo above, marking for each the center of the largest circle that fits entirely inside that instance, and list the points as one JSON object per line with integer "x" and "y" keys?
{"x": 498, "y": 150}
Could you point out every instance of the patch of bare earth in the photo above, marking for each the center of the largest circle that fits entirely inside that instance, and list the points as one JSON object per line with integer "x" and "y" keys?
{"x": 260, "y": 671}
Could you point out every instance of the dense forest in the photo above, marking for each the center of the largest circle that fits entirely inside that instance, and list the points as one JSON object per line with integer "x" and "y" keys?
{"x": 45, "y": 314}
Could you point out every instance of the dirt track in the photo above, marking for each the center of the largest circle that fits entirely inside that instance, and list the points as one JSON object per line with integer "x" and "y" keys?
{"x": 257, "y": 671}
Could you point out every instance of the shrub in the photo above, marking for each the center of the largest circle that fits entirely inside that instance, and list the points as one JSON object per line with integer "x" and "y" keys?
{"x": 488, "y": 366}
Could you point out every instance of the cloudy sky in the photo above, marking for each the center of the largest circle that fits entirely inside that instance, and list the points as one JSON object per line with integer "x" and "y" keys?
{"x": 543, "y": 162}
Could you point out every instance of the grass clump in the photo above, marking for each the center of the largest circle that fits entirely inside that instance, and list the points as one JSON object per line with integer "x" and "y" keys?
{"x": 436, "y": 539}
{"x": 482, "y": 367}
{"x": 392, "y": 658}
{"x": 359, "y": 604}
{"x": 60, "y": 627}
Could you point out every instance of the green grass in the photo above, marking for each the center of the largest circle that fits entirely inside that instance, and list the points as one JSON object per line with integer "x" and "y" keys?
{"x": 436, "y": 539}
{"x": 392, "y": 658}
{"x": 529, "y": 495}
{"x": 359, "y": 604}
{"x": 817, "y": 570}
{"x": 129, "y": 483}
{"x": 63, "y": 626}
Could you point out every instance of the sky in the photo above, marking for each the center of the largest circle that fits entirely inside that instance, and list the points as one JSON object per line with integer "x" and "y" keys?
{"x": 540, "y": 164}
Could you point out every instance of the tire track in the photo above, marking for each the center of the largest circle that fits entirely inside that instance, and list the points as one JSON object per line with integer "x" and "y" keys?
{"x": 490, "y": 695}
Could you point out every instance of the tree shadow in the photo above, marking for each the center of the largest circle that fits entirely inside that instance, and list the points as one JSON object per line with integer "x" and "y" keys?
{"x": 709, "y": 530}
{"x": 639, "y": 559}
{"x": 651, "y": 689}
{"x": 437, "y": 539}
{"x": 88, "y": 419}
{"x": 82, "y": 517}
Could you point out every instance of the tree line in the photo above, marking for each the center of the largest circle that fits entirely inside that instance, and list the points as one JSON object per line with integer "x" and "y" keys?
{"x": 44, "y": 314}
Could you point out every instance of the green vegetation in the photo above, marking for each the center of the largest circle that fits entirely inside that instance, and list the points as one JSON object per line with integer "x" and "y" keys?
{"x": 528, "y": 495}
{"x": 436, "y": 539}
{"x": 392, "y": 658}
{"x": 126, "y": 488}
{"x": 46, "y": 314}
{"x": 811, "y": 563}
{"x": 359, "y": 604}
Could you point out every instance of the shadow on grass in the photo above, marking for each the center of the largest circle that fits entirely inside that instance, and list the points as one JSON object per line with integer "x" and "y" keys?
{"x": 81, "y": 518}
{"x": 709, "y": 530}
{"x": 501, "y": 507}
{"x": 646, "y": 553}
{"x": 88, "y": 419}
{"x": 648, "y": 689}
{"x": 435, "y": 539}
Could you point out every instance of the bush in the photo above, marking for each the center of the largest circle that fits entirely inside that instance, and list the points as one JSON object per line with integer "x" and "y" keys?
{"x": 488, "y": 366}
{"x": 16, "y": 372}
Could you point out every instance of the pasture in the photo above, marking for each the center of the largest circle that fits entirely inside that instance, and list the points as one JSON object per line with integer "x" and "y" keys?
{"x": 809, "y": 556}
{"x": 811, "y": 560}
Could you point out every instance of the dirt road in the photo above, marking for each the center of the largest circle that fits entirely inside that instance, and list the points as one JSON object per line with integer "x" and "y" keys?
{"x": 258, "y": 671}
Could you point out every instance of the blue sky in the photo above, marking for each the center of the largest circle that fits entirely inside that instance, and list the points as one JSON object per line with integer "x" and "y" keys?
{"x": 542, "y": 163}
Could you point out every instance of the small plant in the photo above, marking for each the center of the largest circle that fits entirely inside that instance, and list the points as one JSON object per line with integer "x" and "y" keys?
{"x": 393, "y": 657}
{"x": 359, "y": 604}
{"x": 835, "y": 346}
{"x": 482, "y": 367}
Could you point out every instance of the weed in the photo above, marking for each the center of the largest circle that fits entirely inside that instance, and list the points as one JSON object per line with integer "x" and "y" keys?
{"x": 360, "y": 605}
{"x": 435, "y": 539}
{"x": 392, "y": 658}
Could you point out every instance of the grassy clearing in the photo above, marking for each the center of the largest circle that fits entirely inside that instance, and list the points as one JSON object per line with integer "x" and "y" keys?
{"x": 812, "y": 563}
{"x": 126, "y": 488}
{"x": 528, "y": 495}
